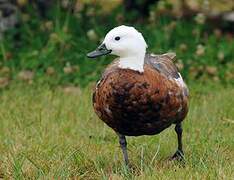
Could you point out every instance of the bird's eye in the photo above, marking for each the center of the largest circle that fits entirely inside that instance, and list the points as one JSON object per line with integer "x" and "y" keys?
{"x": 117, "y": 38}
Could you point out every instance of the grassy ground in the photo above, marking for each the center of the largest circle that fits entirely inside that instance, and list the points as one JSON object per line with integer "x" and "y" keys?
{"x": 48, "y": 133}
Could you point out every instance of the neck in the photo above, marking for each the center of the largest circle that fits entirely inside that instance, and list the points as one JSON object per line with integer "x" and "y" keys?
{"x": 135, "y": 62}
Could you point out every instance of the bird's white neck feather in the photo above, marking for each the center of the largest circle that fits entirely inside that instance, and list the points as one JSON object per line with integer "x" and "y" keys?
{"x": 135, "y": 63}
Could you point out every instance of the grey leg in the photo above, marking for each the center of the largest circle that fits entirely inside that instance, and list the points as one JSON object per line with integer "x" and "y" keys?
{"x": 179, "y": 153}
{"x": 123, "y": 145}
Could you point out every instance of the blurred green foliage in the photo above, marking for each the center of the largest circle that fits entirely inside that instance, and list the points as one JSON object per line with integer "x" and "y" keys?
{"x": 53, "y": 50}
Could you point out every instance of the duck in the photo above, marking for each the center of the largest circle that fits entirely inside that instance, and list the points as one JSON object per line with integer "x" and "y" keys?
{"x": 139, "y": 93}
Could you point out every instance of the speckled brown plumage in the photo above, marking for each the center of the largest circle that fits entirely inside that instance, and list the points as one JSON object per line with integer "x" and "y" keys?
{"x": 134, "y": 103}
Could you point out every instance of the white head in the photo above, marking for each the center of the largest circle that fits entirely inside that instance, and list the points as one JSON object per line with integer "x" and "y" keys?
{"x": 127, "y": 43}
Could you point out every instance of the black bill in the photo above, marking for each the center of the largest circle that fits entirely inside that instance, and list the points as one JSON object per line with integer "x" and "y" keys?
{"x": 100, "y": 51}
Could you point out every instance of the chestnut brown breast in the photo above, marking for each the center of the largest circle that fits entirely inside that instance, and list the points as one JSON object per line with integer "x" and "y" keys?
{"x": 134, "y": 103}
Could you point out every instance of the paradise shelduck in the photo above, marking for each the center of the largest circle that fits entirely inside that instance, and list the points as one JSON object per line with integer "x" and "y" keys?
{"x": 139, "y": 93}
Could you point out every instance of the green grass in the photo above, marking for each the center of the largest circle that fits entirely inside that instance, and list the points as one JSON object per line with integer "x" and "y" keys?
{"x": 46, "y": 133}
{"x": 63, "y": 40}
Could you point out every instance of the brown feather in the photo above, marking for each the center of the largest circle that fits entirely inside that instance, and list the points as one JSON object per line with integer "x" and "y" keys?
{"x": 134, "y": 103}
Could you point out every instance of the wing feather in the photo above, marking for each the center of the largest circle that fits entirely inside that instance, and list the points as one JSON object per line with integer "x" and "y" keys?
{"x": 164, "y": 64}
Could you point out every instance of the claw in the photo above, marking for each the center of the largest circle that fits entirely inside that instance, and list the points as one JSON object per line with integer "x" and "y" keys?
{"x": 179, "y": 155}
